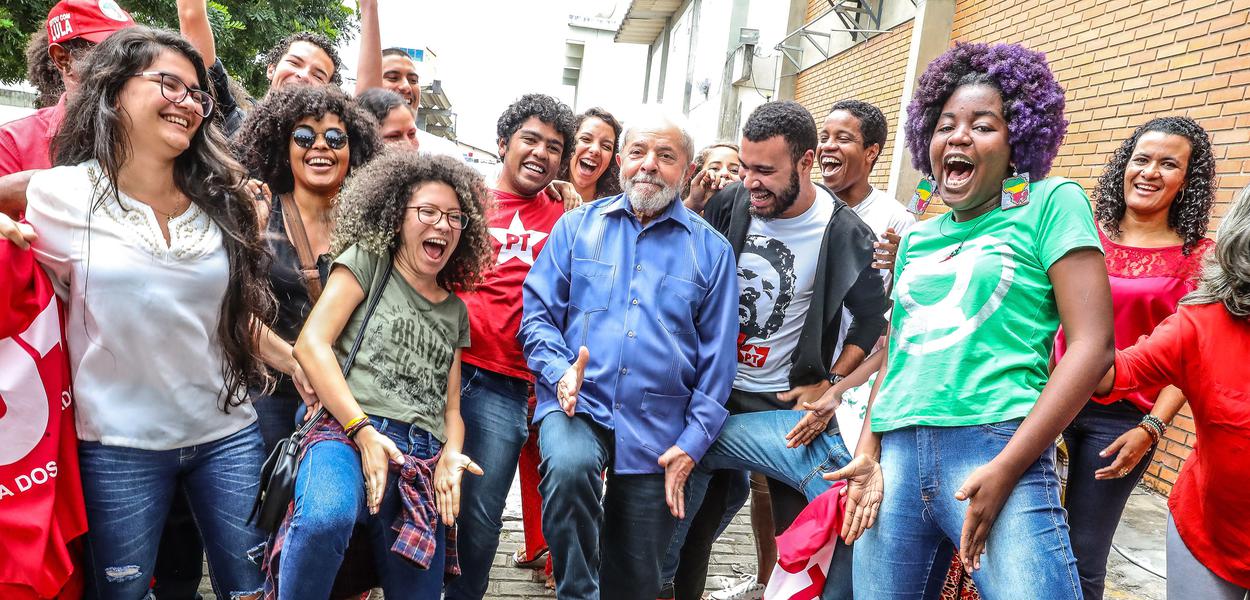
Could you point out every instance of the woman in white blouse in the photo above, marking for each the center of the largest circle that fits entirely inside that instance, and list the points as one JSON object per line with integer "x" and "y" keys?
{"x": 153, "y": 246}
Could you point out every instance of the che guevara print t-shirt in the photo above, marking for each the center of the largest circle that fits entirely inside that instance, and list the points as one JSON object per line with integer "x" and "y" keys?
{"x": 972, "y": 330}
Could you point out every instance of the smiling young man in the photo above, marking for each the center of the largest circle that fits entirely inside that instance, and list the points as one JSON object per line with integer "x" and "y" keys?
{"x": 804, "y": 264}
{"x": 850, "y": 142}
{"x": 535, "y": 135}
{"x": 300, "y": 58}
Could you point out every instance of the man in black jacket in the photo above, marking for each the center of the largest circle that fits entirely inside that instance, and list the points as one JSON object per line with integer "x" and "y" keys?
{"x": 803, "y": 255}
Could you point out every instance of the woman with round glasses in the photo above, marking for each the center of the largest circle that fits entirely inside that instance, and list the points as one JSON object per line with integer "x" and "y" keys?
{"x": 302, "y": 141}
{"x": 151, "y": 242}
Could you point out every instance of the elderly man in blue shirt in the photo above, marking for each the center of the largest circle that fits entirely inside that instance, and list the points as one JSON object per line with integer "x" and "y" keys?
{"x": 630, "y": 323}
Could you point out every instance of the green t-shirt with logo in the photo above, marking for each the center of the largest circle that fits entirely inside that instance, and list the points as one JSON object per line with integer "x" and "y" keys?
{"x": 408, "y": 348}
{"x": 971, "y": 332}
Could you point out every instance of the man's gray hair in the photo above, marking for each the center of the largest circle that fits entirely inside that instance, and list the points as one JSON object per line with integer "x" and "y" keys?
{"x": 652, "y": 117}
{"x": 1226, "y": 275}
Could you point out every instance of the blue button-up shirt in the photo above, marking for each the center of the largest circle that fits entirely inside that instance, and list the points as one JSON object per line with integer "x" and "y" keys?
{"x": 657, "y": 308}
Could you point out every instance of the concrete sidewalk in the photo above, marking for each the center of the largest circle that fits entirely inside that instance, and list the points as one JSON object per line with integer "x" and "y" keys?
{"x": 1139, "y": 550}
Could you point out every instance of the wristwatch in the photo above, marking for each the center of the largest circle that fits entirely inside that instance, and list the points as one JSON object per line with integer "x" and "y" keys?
{"x": 834, "y": 378}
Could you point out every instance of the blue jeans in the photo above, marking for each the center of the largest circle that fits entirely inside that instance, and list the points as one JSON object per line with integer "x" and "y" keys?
{"x": 731, "y": 490}
{"x": 602, "y": 545}
{"x": 330, "y": 503}
{"x": 496, "y": 425}
{"x": 907, "y": 553}
{"x": 1094, "y": 506}
{"x": 128, "y": 492}
{"x": 275, "y": 413}
{"x": 757, "y": 442}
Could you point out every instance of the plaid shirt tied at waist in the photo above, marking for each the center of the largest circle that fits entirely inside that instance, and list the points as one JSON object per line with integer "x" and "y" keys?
{"x": 417, "y": 523}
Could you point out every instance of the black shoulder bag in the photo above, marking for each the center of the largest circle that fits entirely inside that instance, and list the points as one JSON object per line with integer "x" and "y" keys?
{"x": 277, "y": 477}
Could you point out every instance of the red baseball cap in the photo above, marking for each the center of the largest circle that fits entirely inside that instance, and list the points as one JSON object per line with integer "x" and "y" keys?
{"x": 92, "y": 20}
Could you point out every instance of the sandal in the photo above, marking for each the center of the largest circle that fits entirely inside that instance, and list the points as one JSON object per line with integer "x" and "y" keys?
{"x": 517, "y": 559}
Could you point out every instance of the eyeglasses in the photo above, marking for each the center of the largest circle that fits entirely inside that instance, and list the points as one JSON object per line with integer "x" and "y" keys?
{"x": 431, "y": 216}
{"x": 175, "y": 90}
{"x": 305, "y": 136}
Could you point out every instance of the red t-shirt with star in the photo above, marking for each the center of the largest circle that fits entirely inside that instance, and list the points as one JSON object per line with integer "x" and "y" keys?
{"x": 519, "y": 227}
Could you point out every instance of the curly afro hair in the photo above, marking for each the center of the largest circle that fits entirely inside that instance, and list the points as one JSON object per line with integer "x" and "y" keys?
{"x": 785, "y": 118}
{"x": 548, "y": 110}
{"x": 609, "y": 183}
{"x": 1190, "y": 212}
{"x": 262, "y": 143}
{"x": 276, "y": 53}
{"x": 372, "y": 207}
{"x": 1032, "y": 102}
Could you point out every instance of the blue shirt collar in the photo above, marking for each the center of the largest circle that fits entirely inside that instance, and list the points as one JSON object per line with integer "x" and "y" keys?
{"x": 675, "y": 210}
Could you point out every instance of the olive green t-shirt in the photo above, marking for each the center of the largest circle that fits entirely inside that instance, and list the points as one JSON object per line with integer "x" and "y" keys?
{"x": 971, "y": 333}
{"x": 407, "y": 351}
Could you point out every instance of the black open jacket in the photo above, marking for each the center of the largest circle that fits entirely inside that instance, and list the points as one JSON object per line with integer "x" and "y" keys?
{"x": 844, "y": 276}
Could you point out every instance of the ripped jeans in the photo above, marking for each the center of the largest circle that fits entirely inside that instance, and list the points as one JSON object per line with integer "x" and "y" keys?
{"x": 128, "y": 492}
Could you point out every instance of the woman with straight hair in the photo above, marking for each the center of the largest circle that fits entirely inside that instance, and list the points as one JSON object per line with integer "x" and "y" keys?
{"x": 152, "y": 243}
{"x": 1203, "y": 349}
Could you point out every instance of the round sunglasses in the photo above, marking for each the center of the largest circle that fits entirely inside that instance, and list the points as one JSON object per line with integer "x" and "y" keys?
{"x": 305, "y": 136}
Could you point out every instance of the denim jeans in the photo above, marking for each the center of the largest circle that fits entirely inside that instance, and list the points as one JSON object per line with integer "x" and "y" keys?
{"x": 275, "y": 413}
{"x": 907, "y": 552}
{"x": 330, "y": 503}
{"x": 602, "y": 545}
{"x": 1094, "y": 506}
{"x": 128, "y": 493}
{"x": 496, "y": 426}
{"x": 727, "y": 492}
{"x": 756, "y": 442}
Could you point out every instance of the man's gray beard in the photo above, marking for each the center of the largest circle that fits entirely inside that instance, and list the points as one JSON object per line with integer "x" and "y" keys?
{"x": 648, "y": 205}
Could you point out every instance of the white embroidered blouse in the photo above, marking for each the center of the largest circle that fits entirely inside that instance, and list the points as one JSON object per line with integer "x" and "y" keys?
{"x": 143, "y": 315}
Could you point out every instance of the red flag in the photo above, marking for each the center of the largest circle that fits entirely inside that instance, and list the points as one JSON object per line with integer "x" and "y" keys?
{"x": 41, "y": 504}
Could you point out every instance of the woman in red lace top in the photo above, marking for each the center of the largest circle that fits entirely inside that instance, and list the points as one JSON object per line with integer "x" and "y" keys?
{"x": 1203, "y": 349}
{"x": 1153, "y": 203}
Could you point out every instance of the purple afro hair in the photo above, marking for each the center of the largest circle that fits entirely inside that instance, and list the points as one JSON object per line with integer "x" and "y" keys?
{"x": 1032, "y": 101}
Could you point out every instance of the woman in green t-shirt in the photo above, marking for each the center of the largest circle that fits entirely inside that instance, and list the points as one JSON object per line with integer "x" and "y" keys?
{"x": 394, "y": 432}
{"x": 957, "y": 451}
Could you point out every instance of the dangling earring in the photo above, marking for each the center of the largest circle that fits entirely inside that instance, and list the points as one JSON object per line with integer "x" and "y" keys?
{"x": 923, "y": 196}
{"x": 1015, "y": 191}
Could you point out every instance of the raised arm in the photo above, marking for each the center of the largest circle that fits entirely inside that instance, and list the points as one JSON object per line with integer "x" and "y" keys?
{"x": 193, "y": 24}
{"x": 369, "y": 66}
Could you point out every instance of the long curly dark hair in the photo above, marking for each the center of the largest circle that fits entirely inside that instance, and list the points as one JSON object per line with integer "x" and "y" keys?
{"x": 263, "y": 141}
{"x": 609, "y": 183}
{"x": 206, "y": 173}
{"x": 1190, "y": 213}
{"x": 1032, "y": 102}
{"x": 372, "y": 207}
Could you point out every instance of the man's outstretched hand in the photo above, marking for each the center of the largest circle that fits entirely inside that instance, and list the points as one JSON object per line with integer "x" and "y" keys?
{"x": 571, "y": 383}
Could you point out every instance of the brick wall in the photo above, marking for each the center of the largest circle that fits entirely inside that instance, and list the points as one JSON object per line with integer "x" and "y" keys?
{"x": 871, "y": 71}
{"x": 1121, "y": 63}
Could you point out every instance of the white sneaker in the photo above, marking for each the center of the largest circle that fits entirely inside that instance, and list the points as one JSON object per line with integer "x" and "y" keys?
{"x": 747, "y": 588}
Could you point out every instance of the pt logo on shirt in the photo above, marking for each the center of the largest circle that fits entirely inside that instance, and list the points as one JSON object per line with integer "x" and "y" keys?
{"x": 946, "y": 299}
{"x": 750, "y": 354}
{"x": 515, "y": 241}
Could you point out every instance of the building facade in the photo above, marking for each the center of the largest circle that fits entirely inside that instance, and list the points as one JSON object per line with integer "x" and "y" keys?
{"x": 1121, "y": 62}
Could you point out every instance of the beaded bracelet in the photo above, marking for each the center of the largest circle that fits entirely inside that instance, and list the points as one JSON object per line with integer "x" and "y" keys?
{"x": 1156, "y": 422}
{"x": 1154, "y": 435}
